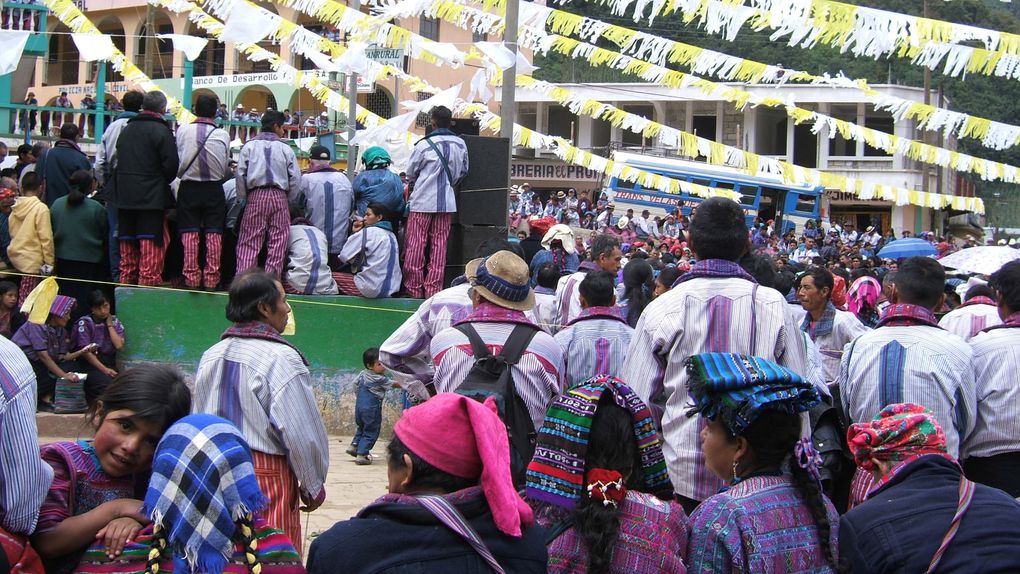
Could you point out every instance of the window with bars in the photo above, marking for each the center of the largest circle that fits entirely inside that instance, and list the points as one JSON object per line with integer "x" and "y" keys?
{"x": 379, "y": 103}
{"x": 422, "y": 121}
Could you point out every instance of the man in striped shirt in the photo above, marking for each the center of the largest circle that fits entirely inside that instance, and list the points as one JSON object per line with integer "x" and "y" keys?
{"x": 500, "y": 294}
{"x": 978, "y": 312}
{"x": 24, "y": 477}
{"x": 715, "y": 307}
{"x": 406, "y": 351}
{"x": 596, "y": 342}
{"x": 829, "y": 328}
{"x": 267, "y": 172}
{"x": 257, "y": 380}
{"x": 437, "y": 165}
{"x": 992, "y": 454}
{"x": 204, "y": 150}
{"x": 907, "y": 358}
{"x": 327, "y": 199}
{"x": 604, "y": 255}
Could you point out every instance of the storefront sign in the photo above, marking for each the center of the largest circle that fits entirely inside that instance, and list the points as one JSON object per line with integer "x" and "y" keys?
{"x": 249, "y": 79}
{"x": 534, "y": 171}
{"x": 91, "y": 88}
{"x": 387, "y": 56}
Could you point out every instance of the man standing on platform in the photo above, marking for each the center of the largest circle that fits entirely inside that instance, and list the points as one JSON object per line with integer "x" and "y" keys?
{"x": 146, "y": 164}
{"x": 257, "y": 380}
{"x": 438, "y": 163}
{"x": 267, "y": 172}
{"x": 204, "y": 149}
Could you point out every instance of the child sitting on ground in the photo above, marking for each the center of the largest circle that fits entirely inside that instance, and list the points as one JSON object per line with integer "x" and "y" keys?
{"x": 98, "y": 485}
{"x": 10, "y": 317}
{"x": 372, "y": 386}
{"x": 104, "y": 334}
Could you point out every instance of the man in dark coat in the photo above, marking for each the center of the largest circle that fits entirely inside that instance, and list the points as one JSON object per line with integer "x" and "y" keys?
{"x": 146, "y": 164}
{"x": 58, "y": 163}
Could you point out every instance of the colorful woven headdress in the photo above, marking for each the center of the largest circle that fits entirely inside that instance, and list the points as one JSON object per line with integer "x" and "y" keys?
{"x": 556, "y": 473}
{"x": 735, "y": 389}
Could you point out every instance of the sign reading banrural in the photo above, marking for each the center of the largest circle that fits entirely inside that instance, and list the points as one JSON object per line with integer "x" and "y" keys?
{"x": 387, "y": 56}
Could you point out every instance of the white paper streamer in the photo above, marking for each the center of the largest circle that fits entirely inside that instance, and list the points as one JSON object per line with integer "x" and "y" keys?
{"x": 92, "y": 47}
{"x": 247, "y": 24}
{"x": 192, "y": 46}
{"x": 12, "y": 46}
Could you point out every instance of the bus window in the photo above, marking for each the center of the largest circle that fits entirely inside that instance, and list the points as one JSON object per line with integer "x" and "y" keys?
{"x": 749, "y": 195}
{"x": 803, "y": 204}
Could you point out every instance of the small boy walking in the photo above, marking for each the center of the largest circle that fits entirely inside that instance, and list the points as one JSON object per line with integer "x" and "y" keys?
{"x": 372, "y": 386}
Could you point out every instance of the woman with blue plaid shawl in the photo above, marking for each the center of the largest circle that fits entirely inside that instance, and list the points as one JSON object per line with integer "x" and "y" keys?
{"x": 772, "y": 518}
{"x": 205, "y": 505}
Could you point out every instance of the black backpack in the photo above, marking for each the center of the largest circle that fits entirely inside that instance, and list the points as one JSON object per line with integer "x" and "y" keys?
{"x": 491, "y": 376}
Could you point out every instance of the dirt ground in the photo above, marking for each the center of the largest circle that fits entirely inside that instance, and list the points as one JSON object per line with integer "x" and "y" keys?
{"x": 349, "y": 487}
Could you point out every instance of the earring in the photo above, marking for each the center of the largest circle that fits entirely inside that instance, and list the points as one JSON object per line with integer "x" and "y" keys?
{"x": 734, "y": 470}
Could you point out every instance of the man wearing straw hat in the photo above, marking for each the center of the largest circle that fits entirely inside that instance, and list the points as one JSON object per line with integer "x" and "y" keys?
{"x": 500, "y": 295}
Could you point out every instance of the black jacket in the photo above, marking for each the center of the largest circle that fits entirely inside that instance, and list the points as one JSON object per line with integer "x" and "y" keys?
{"x": 56, "y": 166}
{"x": 899, "y": 528}
{"x": 401, "y": 538}
{"x": 146, "y": 164}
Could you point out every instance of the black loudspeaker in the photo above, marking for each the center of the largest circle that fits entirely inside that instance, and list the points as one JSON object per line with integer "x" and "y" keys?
{"x": 464, "y": 241}
{"x": 482, "y": 197}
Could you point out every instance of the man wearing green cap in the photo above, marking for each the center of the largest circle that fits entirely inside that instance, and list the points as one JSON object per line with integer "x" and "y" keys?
{"x": 377, "y": 184}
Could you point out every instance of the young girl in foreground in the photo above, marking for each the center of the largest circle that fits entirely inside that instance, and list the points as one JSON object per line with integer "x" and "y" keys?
{"x": 97, "y": 484}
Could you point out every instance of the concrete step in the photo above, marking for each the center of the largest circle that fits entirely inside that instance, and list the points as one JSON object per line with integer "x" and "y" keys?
{"x": 63, "y": 426}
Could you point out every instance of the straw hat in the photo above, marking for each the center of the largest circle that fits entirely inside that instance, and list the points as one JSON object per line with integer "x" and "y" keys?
{"x": 624, "y": 221}
{"x": 561, "y": 195}
{"x": 503, "y": 279}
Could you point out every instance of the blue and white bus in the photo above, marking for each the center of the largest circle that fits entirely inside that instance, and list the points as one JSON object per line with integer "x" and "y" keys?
{"x": 764, "y": 196}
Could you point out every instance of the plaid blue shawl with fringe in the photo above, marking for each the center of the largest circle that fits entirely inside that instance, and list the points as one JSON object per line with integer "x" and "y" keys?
{"x": 203, "y": 481}
{"x": 556, "y": 473}
{"x": 737, "y": 388}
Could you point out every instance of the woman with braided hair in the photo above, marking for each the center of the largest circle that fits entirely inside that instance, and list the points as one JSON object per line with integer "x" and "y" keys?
{"x": 772, "y": 518}
{"x": 205, "y": 505}
{"x": 596, "y": 483}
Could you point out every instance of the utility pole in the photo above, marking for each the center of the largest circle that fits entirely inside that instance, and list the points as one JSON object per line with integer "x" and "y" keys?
{"x": 352, "y": 112}
{"x": 150, "y": 40}
{"x": 508, "y": 103}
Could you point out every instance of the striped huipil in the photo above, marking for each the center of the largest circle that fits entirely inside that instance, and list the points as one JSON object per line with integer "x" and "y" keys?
{"x": 969, "y": 319}
{"x": 595, "y": 343}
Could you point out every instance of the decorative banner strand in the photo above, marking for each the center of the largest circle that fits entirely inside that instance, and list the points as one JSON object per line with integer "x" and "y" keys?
{"x": 725, "y": 155}
{"x": 69, "y": 14}
{"x": 662, "y": 51}
{"x": 692, "y": 145}
{"x": 866, "y": 32}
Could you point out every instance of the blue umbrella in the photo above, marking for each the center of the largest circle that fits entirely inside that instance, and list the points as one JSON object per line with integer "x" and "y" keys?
{"x": 907, "y": 247}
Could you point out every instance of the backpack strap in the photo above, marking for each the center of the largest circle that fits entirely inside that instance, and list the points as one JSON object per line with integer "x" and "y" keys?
{"x": 517, "y": 342}
{"x": 478, "y": 347}
{"x": 965, "y": 496}
{"x": 442, "y": 159}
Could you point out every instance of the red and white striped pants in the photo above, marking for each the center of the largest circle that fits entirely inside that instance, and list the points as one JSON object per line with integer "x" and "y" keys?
{"x": 208, "y": 276}
{"x": 27, "y": 284}
{"x": 279, "y": 484}
{"x": 141, "y": 262}
{"x": 425, "y": 231}
{"x": 345, "y": 282}
{"x": 267, "y": 208}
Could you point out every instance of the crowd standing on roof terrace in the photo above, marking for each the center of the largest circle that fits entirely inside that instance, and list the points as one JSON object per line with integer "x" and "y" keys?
{"x": 605, "y": 392}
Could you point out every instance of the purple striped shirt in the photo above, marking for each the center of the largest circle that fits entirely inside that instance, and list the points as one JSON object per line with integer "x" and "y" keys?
{"x": 595, "y": 343}
{"x": 537, "y": 375}
{"x": 707, "y": 314}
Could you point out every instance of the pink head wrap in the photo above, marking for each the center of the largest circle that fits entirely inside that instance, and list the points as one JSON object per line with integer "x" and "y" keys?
{"x": 466, "y": 438}
{"x": 864, "y": 292}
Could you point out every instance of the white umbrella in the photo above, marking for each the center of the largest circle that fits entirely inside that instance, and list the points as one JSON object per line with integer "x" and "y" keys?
{"x": 981, "y": 260}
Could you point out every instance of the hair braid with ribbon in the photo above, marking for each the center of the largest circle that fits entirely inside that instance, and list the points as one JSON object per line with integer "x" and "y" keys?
{"x": 157, "y": 547}
{"x": 251, "y": 544}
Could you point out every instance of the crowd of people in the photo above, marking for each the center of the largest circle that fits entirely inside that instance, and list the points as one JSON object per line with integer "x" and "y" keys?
{"x": 721, "y": 400}
{"x": 173, "y": 209}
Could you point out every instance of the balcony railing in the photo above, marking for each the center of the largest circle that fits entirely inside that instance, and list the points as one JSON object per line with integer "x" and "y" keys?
{"x": 29, "y": 17}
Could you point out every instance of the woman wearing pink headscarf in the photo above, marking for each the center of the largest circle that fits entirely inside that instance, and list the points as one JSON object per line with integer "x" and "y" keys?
{"x": 862, "y": 299}
{"x": 451, "y": 507}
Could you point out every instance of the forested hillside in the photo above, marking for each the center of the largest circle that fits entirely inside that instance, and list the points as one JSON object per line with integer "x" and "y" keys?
{"x": 989, "y": 97}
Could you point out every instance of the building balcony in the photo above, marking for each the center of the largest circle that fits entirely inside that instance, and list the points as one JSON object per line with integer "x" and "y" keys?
{"x": 29, "y": 17}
